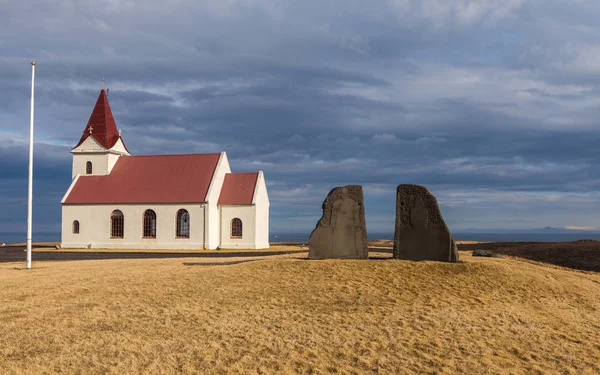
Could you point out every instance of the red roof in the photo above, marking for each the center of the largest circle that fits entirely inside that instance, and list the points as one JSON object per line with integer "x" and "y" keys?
{"x": 149, "y": 179}
{"x": 101, "y": 124}
{"x": 238, "y": 188}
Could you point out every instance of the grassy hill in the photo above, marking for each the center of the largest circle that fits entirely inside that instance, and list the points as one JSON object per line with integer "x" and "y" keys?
{"x": 581, "y": 255}
{"x": 283, "y": 314}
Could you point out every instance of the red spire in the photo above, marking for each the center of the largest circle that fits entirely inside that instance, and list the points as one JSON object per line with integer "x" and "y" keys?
{"x": 101, "y": 124}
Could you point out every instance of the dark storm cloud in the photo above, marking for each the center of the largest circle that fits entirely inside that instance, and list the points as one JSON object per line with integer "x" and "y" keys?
{"x": 493, "y": 105}
{"x": 52, "y": 174}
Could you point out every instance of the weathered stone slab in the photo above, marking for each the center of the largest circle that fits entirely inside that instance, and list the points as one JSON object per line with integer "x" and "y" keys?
{"x": 341, "y": 233}
{"x": 486, "y": 253}
{"x": 421, "y": 233}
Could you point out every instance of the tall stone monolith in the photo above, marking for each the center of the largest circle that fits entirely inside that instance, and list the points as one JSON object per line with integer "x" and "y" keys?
{"x": 341, "y": 233}
{"x": 421, "y": 233}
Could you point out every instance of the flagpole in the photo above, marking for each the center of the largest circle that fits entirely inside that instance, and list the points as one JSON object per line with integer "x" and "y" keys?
{"x": 30, "y": 187}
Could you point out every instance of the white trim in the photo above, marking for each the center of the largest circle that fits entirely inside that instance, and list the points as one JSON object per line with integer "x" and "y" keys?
{"x": 79, "y": 150}
{"x": 212, "y": 197}
{"x": 70, "y": 188}
{"x": 211, "y": 186}
{"x": 220, "y": 228}
{"x": 260, "y": 175}
{"x": 204, "y": 241}
{"x": 119, "y": 143}
{"x": 103, "y": 150}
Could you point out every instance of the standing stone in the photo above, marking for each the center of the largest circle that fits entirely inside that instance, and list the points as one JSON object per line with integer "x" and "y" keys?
{"x": 421, "y": 233}
{"x": 341, "y": 233}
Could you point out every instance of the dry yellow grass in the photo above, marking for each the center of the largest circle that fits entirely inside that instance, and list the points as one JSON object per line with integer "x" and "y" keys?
{"x": 283, "y": 314}
{"x": 51, "y": 247}
{"x": 271, "y": 249}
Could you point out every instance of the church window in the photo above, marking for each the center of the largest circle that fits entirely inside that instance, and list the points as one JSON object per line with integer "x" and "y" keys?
{"x": 88, "y": 167}
{"x": 76, "y": 227}
{"x": 149, "y": 224}
{"x": 236, "y": 228}
{"x": 117, "y": 223}
{"x": 183, "y": 224}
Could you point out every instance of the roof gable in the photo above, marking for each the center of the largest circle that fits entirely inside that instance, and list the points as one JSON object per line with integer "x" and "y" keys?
{"x": 149, "y": 179}
{"x": 90, "y": 144}
{"x": 119, "y": 147}
{"x": 238, "y": 188}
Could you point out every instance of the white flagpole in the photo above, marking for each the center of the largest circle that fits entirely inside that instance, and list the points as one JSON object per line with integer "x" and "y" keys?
{"x": 30, "y": 187}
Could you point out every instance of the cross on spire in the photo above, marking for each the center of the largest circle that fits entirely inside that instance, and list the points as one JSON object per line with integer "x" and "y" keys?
{"x": 102, "y": 83}
{"x": 91, "y": 128}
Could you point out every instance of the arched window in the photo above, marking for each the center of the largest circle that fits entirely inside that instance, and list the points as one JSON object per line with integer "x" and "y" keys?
{"x": 88, "y": 167}
{"x": 76, "y": 227}
{"x": 183, "y": 224}
{"x": 236, "y": 228}
{"x": 117, "y": 223}
{"x": 149, "y": 224}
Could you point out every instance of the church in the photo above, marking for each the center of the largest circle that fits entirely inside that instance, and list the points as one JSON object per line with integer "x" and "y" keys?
{"x": 187, "y": 202}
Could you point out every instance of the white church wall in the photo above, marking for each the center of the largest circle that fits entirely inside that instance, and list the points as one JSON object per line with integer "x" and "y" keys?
{"x": 99, "y": 162}
{"x": 94, "y": 226}
{"x": 103, "y": 160}
{"x": 261, "y": 200}
{"x": 246, "y": 213}
{"x": 112, "y": 160}
{"x": 212, "y": 197}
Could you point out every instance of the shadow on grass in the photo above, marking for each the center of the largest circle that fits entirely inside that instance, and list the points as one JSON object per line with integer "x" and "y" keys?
{"x": 579, "y": 255}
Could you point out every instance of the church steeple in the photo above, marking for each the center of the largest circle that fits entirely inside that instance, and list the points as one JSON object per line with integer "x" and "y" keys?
{"x": 101, "y": 144}
{"x": 101, "y": 125}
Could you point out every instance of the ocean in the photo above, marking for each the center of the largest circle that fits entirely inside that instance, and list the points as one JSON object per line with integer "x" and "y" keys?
{"x": 9, "y": 238}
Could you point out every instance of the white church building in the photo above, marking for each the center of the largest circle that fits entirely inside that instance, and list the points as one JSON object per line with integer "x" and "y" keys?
{"x": 190, "y": 201}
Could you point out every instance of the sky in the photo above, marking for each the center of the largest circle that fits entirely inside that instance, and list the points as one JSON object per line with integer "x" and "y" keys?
{"x": 493, "y": 105}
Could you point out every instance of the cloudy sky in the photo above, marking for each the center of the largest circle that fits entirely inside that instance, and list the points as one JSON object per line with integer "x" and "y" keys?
{"x": 493, "y": 105}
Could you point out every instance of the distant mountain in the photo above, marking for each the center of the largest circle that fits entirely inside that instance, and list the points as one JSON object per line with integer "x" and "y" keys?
{"x": 566, "y": 230}
{"x": 551, "y": 230}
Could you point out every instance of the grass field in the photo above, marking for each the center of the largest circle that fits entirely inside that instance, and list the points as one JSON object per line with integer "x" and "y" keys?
{"x": 581, "y": 255}
{"x": 52, "y": 247}
{"x": 283, "y": 314}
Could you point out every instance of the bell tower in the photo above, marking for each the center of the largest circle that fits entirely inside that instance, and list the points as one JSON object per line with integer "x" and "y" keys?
{"x": 101, "y": 144}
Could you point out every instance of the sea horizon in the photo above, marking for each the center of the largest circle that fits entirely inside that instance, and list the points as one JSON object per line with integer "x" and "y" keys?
{"x": 492, "y": 236}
